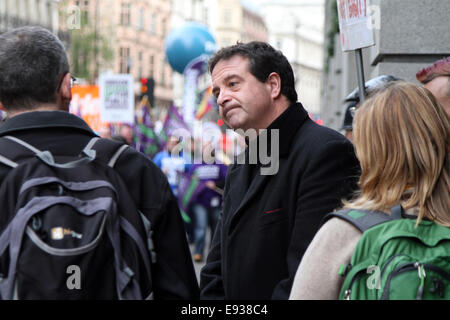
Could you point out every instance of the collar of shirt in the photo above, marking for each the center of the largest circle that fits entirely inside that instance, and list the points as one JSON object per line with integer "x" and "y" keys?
{"x": 44, "y": 119}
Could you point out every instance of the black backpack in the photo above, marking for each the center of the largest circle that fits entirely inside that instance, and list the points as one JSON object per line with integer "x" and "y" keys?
{"x": 69, "y": 228}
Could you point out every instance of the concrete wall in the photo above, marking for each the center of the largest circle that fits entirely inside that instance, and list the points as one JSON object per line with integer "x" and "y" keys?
{"x": 411, "y": 35}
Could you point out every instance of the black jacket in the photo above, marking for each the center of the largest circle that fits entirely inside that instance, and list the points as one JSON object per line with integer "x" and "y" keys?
{"x": 268, "y": 221}
{"x": 65, "y": 134}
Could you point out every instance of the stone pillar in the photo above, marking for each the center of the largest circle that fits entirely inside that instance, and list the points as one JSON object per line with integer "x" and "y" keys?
{"x": 412, "y": 35}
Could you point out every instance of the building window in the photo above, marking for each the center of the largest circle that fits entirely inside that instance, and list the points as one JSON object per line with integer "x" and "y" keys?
{"x": 205, "y": 15}
{"x": 152, "y": 66}
{"x": 163, "y": 27}
{"x": 140, "y": 65}
{"x": 153, "y": 23}
{"x": 141, "y": 19}
{"x": 226, "y": 16}
{"x": 49, "y": 15}
{"x": 38, "y": 11}
{"x": 163, "y": 73}
{"x": 124, "y": 61}
{"x": 125, "y": 14}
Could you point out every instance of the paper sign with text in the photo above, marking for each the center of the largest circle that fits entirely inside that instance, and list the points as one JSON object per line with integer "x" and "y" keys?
{"x": 117, "y": 98}
{"x": 355, "y": 24}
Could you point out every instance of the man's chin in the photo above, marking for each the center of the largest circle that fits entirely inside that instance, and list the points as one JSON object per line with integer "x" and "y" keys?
{"x": 234, "y": 123}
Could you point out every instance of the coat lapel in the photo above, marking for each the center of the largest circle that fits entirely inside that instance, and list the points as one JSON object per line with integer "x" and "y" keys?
{"x": 256, "y": 185}
{"x": 239, "y": 179}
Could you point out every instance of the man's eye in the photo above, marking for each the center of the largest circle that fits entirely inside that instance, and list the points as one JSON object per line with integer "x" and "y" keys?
{"x": 233, "y": 83}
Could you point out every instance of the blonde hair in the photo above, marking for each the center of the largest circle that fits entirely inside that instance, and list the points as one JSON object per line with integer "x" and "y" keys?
{"x": 402, "y": 137}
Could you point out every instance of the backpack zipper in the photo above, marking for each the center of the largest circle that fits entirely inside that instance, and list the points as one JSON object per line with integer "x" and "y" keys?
{"x": 348, "y": 292}
{"x": 421, "y": 275}
{"x": 387, "y": 263}
{"x": 401, "y": 269}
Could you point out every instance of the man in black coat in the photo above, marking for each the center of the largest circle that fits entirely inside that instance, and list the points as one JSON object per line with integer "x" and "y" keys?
{"x": 35, "y": 90}
{"x": 271, "y": 209}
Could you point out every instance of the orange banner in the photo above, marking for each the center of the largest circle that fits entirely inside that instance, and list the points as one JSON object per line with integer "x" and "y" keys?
{"x": 86, "y": 104}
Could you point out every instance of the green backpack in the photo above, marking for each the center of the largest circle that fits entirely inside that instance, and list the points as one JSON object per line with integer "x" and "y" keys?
{"x": 396, "y": 260}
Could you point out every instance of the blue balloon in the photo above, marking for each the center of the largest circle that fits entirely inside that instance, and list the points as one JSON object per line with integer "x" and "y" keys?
{"x": 186, "y": 43}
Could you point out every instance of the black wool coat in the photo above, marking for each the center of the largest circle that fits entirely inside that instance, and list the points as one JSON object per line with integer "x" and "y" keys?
{"x": 268, "y": 221}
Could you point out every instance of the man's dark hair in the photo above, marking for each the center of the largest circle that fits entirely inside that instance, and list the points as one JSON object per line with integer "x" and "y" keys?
{"x": 32, "y": 63}
{"x": 263, "y": 60}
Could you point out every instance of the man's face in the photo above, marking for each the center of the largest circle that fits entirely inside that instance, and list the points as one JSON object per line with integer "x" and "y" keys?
{"x": 244, "y": 102}
{"x": 127, "y": 133}
{"x": 440, "y": 88}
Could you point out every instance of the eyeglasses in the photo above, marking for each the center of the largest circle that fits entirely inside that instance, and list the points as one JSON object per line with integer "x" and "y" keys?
{"x": 73, "y": 81}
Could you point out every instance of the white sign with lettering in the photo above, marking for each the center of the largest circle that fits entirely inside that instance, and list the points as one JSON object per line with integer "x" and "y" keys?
{"x": 355, "y": 24}
{"x": 117, "y": 98}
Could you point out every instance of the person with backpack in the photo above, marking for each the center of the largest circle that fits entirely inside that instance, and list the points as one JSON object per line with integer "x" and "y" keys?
{"x": 82, "y": 217}
{"x": 392, "y": 240}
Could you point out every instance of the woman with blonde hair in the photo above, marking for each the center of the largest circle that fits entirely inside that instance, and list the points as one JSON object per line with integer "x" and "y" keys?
{"x": 402, "y": 139}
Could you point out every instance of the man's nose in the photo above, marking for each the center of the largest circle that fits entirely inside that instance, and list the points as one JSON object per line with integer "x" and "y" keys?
{"x": 222, "y": 98}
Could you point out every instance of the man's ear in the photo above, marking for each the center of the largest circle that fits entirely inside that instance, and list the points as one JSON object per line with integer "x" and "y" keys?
{"x": 65, "y": 92}
{"x": 274, "y": 83}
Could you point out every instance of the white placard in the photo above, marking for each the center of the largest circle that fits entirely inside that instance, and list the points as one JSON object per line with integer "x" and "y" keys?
{"x": 117, "y": 98}
{"x": 355, "y": 24}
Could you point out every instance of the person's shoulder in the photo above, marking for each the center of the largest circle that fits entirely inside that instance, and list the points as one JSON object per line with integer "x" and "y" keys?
{"x": 158, "y": 154}
{"x": 136, "y": 161}
{"x": 339, "y": 227}
{"x": 316, "y": 132}
{"x": 312, "y": 136}
{"x": 336, "y": 233}
{"x": 158, "y": 157}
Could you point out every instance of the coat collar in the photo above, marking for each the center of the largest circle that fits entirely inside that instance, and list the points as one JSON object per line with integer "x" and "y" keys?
{"x": 43, "y": 119}
{"x": 288, "y": 123}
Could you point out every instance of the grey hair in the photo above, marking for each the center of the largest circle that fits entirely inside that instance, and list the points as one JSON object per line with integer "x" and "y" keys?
{"x": 32, "y": 61}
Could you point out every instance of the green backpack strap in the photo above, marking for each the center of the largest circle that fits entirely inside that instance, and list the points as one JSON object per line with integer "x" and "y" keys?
{"x": 366, "y": 219}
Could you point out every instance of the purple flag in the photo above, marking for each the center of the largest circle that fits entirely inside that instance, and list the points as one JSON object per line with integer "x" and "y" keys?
{"x": 172, "y": 122}
{"x": 145, "y": 139}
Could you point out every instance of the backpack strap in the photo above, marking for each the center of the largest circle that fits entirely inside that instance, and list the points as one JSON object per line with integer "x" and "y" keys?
{"x": 366, "y": 219}
{"x": 45, "y": 156}
{"x": 107, "y": 151}
{"x": 8, "y": 162}
{"x": 361, "y": 219}
{"x": 11, "y": 154}
{"x": 24, "y": 144}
